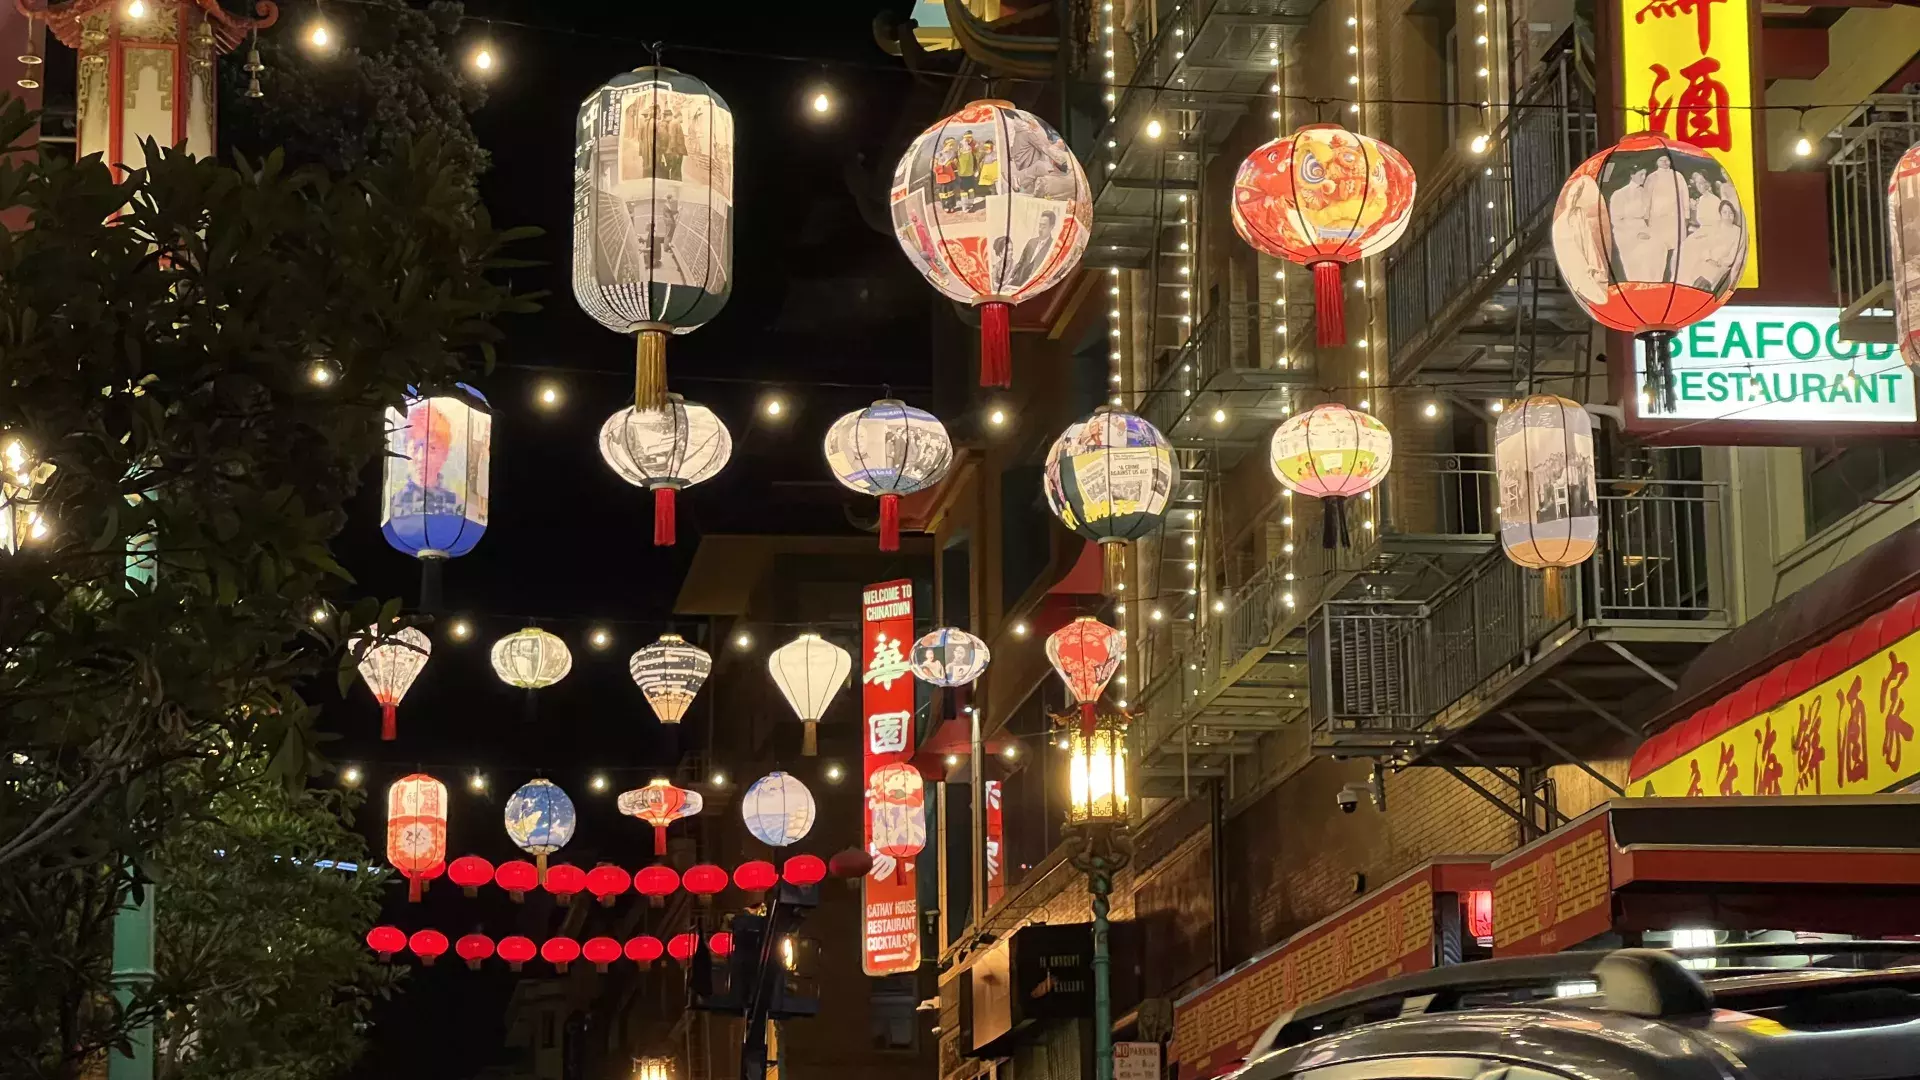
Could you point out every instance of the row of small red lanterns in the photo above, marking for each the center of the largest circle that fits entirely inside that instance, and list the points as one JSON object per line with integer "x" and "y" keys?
{"x": 607, "y": 882}
{"x": 429, "y": 945}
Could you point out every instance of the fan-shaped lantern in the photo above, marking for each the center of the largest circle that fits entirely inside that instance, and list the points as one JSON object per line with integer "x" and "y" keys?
{"x": 517, "y": 950}
{"x": 653, "y": 212}
{"x": 778, "y": 809}
{"x": 1323, "y": 197}
{"x": 1108, "y": 478}
{"x": 565, "y": 881}
{"x": 560, "y": 951}
{"x": 644, "y": 950}
{"x": 386, "y": 940}
{"x": 470, "y": 872}
{"x": 600, "y": 951}
{"x": 669, "y": 673}
{"x": 755, "y": 878}
{"x": 434, "y": 488}
{"x": 682, "y": 947}
{"x": 473, "y": 948}
{"x": 1543, "y": 458}
{"x": 660, "y": 804}
{"x": 428, "y": 944}
{"x": 705, "y": 881}
{"x": 531, "y": 659}
{"x": 949, "y": 657}
{"x": 656, "y": 883}
{"x": 388, "y": 665}
{"x": 665, "y": 449}
{"x": 804, "y": 870}
{"x": 539, "y": 820}
{"x": 606, "y": 883}
{"x": 1331, "y": 453}
{"x": 417, "y": 829}
{"x": 809, "y": 670}
{"x": 852, "y": 864}
{"x": 1651, "y": 238}
{"x": 1086, "y": 652}
{"x": 888, "y": 449}
{"x": 897, "y": 808}
{"x": 992, "y": 208}
{"x": 1903, "y": 236}
{"x": 518, "y": 878}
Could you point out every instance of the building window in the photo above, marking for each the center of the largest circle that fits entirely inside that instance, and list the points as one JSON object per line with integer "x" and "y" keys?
{"x": 956, "y": 583}
{"x": 892, "y": 1012}
{"x": 1839, "y": 480}
{"x": 1026, "y": 532}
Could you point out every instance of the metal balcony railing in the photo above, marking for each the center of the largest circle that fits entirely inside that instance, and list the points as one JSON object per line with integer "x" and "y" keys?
{"x": 1471, "y": 231}
{"x": 1870, "y": 143}
{"x": 1237, "y": 349}
{"x": 1444, "y": 497}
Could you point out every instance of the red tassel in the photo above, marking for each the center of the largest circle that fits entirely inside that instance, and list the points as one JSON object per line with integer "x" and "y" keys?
{"x": 1329, "y": 305}
{"x": 387, "y": 726}
{"x": 663, "y": 530}
{"x": 413, "y": 890}
{"x": 996, "y": 346}
{"x": 659, "y": 839}
{"x": 889, "y": 522}
{"x": 1089, "y": 715}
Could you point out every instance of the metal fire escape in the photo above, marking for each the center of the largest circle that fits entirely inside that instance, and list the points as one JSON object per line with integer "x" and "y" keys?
{"x": 1871, "y": 141}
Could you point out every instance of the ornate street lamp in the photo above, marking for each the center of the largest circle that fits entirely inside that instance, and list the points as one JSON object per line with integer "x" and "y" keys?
{"x": 1097, "y": 824}
{"x": 653, "y": 1068}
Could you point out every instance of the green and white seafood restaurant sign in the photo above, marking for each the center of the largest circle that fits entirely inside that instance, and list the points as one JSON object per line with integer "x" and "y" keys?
{"x": 1783, "y": 365}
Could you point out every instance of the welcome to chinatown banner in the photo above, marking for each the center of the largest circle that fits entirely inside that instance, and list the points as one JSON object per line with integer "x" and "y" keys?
{"x": 889, "y": 895}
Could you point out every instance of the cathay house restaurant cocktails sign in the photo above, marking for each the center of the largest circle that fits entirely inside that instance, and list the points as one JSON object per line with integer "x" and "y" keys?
{"x": 1781, "y": 367}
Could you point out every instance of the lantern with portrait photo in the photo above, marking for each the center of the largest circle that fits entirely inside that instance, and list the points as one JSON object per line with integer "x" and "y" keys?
{"x": 1108, "y": 478}
{"x": 660, "y": 804}
{"x": 809, "y": 671}
{"x": 388, "y": 665}
{"x": 778, "y": 809}
{"x": 666, "y": 449}
{"x": 888, "y": 449}
{"x": 1331, "y": 453}
{"x": 1903, "y": 238}
{"x": 417, "y": 830}
{"x": 1085, "y": 653}
{"x": 669, "y": 673}
{"x": 540, "y": 820}
{"x": 949, "y": 656}
{"x": 434, "y": 493}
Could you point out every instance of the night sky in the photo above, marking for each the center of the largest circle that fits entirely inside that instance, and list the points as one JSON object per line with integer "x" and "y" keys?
{"x": 819, "y": 297}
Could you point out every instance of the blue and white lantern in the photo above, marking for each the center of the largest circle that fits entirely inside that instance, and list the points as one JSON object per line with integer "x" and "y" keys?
{"x": 949, "y": 657}
{"x": 889, "y": 449}
{"x": 778, "y": 809}
{"x": 540, "y": 820}
{"x": 434, "y": 491}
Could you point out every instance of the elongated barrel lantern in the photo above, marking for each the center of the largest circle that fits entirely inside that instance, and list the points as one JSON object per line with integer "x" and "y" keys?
{"x": 1108, "y": 478}
{"x": 1650, "y": 238}
{"x": 897, "y": 805}
{"x": 666, "y": 449}
{"x": 540, "y": 820}
{"x": 388, "y": 665}
{"x": 778, "y": 809}
{"x": 660, "y": 804}
{"x": 1903, "y": 236}
{"x": 809, "y": 671}
{"x": 949, "y": 656}
{"x": 653, "y": 213}
{"x": 1086, "y": 652}
{"x": 417, "y": 830}
{"x": 992, "y": 209}
{"x": 1323, "y": 197}
{"x": 1331, "y": 453}
{"x": 1543, "y": 460}
{"x": 434, "y": 489}
{"x": 888, "y": 449}
{"x": 669, "y": 673}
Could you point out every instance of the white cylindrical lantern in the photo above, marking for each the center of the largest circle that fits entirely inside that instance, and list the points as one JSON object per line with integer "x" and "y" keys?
{"x": 809, "y": 671}
{"x": 531, "y": 659}
{"x": 663, "y": 450}
{"x": 1549, "y": 507}
{"x": 669, "y": 673}
{"x": 888, "y": 449}
{"x": 778, "y": 809}
{"x": 1331, "y": 453}
{"x": 389, "y": 665}
{"x": 949, "y": 657}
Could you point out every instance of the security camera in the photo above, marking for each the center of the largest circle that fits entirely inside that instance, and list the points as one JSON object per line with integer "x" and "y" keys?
{"x": 1349, "y": 798}
{"x": 1373, "y": 789}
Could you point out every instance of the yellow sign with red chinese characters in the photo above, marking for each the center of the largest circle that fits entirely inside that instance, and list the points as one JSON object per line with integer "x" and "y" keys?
{"x": 1849, "y": 735}
{"x": 1687, "y": 73}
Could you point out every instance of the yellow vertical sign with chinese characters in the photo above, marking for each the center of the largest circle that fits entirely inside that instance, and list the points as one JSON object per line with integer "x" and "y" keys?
{"x": 1687, "y": 73}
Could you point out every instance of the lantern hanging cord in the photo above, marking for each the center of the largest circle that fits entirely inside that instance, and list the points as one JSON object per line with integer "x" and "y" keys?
{"x": 730, "y": 380}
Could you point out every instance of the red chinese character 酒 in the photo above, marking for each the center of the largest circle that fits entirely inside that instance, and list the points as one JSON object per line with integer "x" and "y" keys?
{"x": 1706, "y": 115}
{"x": 1852, "y": 722}
{"x": 1726, "y": 772}
{"x": 1894, "y": 709}
{"x": 1808, "y": 753}
{"x": 1766, "y": 764}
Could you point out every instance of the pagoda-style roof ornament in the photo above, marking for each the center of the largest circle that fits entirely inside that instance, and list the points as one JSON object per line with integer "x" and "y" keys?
{"x": 64, "y": 17}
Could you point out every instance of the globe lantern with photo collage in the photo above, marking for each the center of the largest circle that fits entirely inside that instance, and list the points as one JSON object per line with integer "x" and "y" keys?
{"x": 1108, "y": 477}
{"x": 949, "y": 657}
{"x": 888, "y": 449}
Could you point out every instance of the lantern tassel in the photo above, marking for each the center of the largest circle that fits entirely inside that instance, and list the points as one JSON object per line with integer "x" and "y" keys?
{"x": 659, "y": 839}
{"x": 389, "y": 726}
{"x": 650, "y": 370}
{"x": 996, "y": 345}
{"x": 1329, "y": 305}
{"x": 1089, "y": 716}
{"x": 809, "y": 740}
{"x": 413, "y": 890}
{"x": 1333, "y": 523}
{"x": 663, "y": 522}
{"x": 1659, "y": 384}
{"x": 889, "y": 522}
{"x": 1113, "y": 566}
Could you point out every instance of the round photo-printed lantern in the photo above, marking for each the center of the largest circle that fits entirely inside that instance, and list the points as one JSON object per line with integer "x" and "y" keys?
{"x": 778, "y": 809}
{"x": 949, "y": 657}
{"x": 1903, "y": 236}
{"x": 992, "y": 208}
{"x": 1323, "y": 197}
{"x": 540, "y": 820}
{"x": 665, "y": 449}
{"x": 888, "y": 449}
{"x": 1650, "y": 238}
{"x": 669, "y": 673}
{"x": 1108, "y": 478}
{"x": 1331, "y": 453}
{"x": 1543, "y": 459}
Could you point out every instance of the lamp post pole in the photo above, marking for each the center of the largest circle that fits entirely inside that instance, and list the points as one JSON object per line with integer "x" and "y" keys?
{"x": 132, "y": 973}
{"x": 1100, "y": 855}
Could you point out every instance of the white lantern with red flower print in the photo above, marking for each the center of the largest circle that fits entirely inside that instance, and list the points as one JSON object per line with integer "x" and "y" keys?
{"x": 888, "y": 449}
{"x": 664, "y": 450}
{"x": 809, "y": 671}
{"x": 389, "y": 664}
{"x": 660, "y": 804}
{"x": 897, "y": 811}
{"x": 417, "y": 829}
{"x": 1903, "y": 236}
{"x": 1086, "y": 652}
{"x": 1650, "y": 238}
{"x": 1331, "y": 453}
{"x": 992, "y": 208}
{"x": 1323, "y": 197}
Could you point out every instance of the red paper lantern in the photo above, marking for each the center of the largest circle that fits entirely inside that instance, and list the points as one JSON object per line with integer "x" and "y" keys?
{"x": 428, "y": 945}
{"x": 804, "y": 870}
{"x": 516, "y": 950}
{"x": 473, "y": 948}
{"x": 559, "y": 951}
{"x": 1323, "y": 197}
{"x": 656, "y": 883}
{"x": 1480, "y": 913}
{"x": 704, "y": 881}
{"x": 606, "y": 882}
{"x": 518, "y": 877}
{"x": 565, "y": 880}
{"x": 682, "y": 947}
{"x": 720, "y": 944}
{"x": 755, "y": 878}
{"x": 470, "y": 872}
{"x": 417, "y": 830}
{"x": 1085, "y": 653}
{"x": 600, "y": 952}
{"x": 645, "y": 949}
{"x": 386, "y": 940}
{"x": 852, "y": 864}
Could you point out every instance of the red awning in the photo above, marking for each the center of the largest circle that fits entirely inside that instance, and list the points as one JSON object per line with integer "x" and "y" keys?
{"x": 1088, "y": 575}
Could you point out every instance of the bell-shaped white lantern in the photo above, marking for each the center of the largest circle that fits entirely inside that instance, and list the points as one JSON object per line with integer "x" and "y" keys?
{"x": 669, "y": 673}
{"x": 663, "y": 450}
{"x": 389, "y": 664}
{"x": 949, "y": 657}
{"x": 889, "y": 449}
{"x": 531, "y": 659}
{"x": 778, "y": 809}
{"x": 809, "y": 670}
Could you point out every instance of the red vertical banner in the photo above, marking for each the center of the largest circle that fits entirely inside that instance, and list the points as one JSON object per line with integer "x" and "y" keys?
{"x": 996, "y": 846}
{"x": 889, "y": 894}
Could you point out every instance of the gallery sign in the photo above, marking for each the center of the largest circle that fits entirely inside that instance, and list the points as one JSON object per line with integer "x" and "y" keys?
{"x": 889, "y": 894}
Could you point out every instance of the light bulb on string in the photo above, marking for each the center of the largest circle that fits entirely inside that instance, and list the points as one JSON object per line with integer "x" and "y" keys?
{"x": 822, "y": 103}
{"x": 483, "y": 59}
